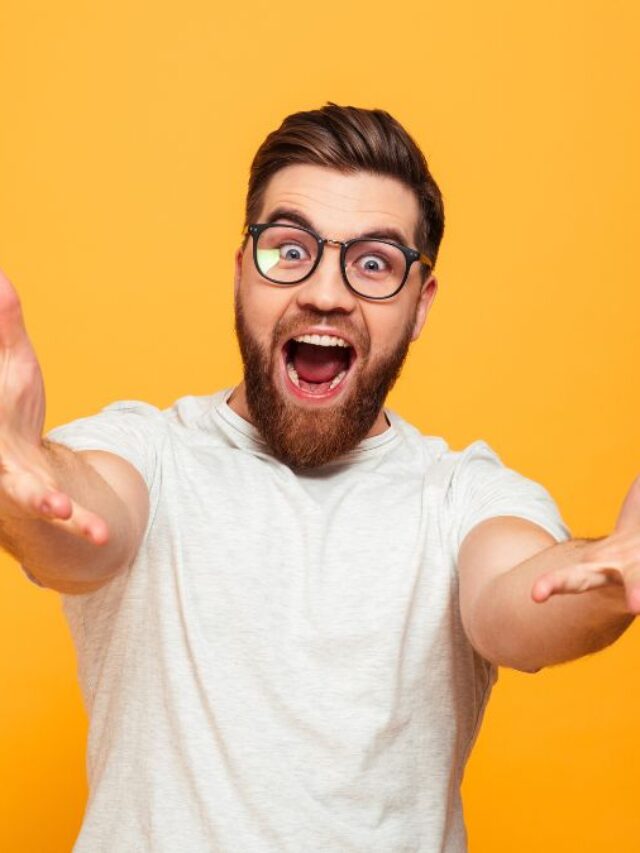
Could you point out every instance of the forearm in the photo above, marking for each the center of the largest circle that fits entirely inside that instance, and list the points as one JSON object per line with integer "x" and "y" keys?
{"x": 55, "y": 556}
{"x": 512, "y": 629}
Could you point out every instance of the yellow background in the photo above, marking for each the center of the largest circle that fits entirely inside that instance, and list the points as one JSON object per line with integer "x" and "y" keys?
{"x": 127, "y": 133}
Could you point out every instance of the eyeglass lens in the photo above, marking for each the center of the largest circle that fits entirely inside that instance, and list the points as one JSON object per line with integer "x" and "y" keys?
{"x": 286, "y": 255}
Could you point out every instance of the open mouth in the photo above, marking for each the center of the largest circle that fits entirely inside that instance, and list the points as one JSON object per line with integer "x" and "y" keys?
{"x": 317, "y": 365}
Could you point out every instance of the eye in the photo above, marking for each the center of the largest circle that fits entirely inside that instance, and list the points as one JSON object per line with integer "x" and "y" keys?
{"x": 373, "y": 264}
{"x": 293, "y": 252}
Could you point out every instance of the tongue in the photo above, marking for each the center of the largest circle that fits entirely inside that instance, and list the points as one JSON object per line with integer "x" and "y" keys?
{"x": 318, "y": 364}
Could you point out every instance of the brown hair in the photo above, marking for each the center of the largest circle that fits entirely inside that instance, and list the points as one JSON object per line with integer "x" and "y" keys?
{"x": 351, "y": 139}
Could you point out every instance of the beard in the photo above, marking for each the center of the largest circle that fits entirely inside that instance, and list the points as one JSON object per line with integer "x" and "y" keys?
{"x": 303, "y": 437}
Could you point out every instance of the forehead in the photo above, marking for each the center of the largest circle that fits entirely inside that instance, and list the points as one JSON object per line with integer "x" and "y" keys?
{"x": 342, "y": 205}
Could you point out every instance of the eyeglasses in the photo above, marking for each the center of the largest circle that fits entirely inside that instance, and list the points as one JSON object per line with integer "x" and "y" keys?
{"x": 371, "y": 268}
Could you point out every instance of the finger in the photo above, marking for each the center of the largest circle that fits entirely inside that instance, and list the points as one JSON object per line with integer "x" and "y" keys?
{"x": 576, "y": 579}
{"x": 82, "y": 523}
{"x": 12, "y": 327}
{"x": 52, "y": 504}
{"x": 63, "y": 512}
{"x": 632, "y": 587}
{"x": 32, "y": 498}
{"x": 28, "y": 492}
{"x": 629, "y": 516}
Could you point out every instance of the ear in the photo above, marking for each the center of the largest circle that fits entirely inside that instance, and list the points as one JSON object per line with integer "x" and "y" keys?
{"x": 428, "y": 292}
{"x": 238, "y": 270}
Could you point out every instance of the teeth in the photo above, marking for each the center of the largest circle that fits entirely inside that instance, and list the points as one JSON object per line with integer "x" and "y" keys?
{"x": 337, "y": 379}
{"x": 293, "y": 374}
{"x": 322, "y": 340}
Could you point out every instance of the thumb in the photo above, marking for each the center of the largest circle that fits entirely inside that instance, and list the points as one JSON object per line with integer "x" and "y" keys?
{"x": 629, "y": 517}
{"x": 12, "y": 328}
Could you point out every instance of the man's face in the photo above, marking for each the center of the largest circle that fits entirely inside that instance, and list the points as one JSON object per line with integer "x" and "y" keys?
{"x": 312, "y": 401}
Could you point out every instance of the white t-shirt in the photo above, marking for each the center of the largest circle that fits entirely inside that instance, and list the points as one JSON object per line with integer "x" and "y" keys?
{"x": 283, "y": 669}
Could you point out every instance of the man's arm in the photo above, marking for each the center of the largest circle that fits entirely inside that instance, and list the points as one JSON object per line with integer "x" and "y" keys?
{"x": 528, "y": 601}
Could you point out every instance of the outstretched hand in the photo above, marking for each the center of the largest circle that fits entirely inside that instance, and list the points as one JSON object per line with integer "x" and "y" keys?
{"x": 28, "y": 487}
{"x": 613, "y": 560}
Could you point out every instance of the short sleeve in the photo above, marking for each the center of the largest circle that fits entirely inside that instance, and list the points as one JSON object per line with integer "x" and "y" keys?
{"x": 129, "y": 428}
{"x": 482, "y": 487}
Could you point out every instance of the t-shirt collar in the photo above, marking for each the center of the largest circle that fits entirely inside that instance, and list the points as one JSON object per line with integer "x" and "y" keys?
{"x": 249, "y": 436}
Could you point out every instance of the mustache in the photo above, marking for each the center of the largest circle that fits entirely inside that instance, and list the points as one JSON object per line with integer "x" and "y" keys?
{"x": 285, "y": 328}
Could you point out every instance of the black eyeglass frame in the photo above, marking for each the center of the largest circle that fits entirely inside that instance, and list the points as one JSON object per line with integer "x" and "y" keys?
{"x": 410, "y": 256}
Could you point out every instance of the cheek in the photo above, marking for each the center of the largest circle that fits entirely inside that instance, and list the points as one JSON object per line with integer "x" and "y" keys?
{"x": 263, "y": 306}
{"x": 386, "y": 324}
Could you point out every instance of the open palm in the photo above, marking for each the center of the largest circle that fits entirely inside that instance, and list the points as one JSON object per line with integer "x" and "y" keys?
{"x": 28, "y": 487}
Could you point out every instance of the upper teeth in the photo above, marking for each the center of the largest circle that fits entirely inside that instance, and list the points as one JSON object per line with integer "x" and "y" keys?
{"x": 322, "y": 340}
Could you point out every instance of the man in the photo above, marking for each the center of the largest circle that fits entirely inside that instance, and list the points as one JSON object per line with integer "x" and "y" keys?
{"x": 289, "y": 606}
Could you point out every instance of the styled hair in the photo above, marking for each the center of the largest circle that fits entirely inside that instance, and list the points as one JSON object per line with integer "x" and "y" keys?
{"x": 351, "y": 139}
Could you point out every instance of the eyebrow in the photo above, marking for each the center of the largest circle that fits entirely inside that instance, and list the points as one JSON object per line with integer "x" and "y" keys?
{"x": 300, "y": 219}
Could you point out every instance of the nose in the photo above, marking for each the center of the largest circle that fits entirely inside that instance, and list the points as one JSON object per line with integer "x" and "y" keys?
{"x": 325, "y": 290}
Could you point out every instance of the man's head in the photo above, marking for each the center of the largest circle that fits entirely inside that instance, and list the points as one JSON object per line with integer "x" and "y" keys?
{"x": 321, "y": 348}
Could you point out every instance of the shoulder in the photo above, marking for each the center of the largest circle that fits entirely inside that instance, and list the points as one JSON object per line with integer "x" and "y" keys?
{"x": 189, "y": 415}
{"x": 444, "y": 464}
